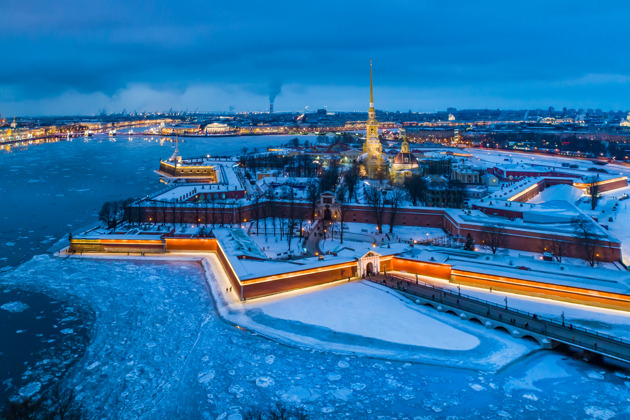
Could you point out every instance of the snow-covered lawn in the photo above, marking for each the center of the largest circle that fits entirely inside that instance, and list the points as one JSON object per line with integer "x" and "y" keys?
{"x": 527, "y": 256}
{"x": 617, "y": 220}
{"x": 273, "y": 245}
{"x": 558, "y": 192}
{"x": 402, "y": 232}
{"x": 491, "y": 158}
{"x": 369, "y": 311}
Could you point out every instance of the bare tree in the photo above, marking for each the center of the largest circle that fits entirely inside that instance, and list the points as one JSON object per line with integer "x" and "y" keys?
{"x": 291, "y": 216}
{"x": 375, "y": 199}
{"x": 343, "y": 208}
{"x": 330, "y": 177}
{"x": 592, "y": 189}
{"x": 469, "y": 245}
{"x": 417, "y": 188}
{"x": 494, "y": 237}
{"x": 213, "y": 203}
{"x": 271, "y": 206}
{"x": 108, "y": 213}
{"x": 164, "y": 207}
{"x": 256, "y": 209}
{"x": 301, "y": 217}
{"x": 584, "y": 231}
{"x": 381, "y": 174}
{"x": 174, "y": 212}
{"x": 132, "y": 213}
{"x": 221, "y": 207}
{"x": 396, "y": 198}
{"x": 312, "y": 194}
{"x": 558, "y": 248}
{"x": 457, "y": 193}
{"x": 351, "y": 176}
{"x": 180, "y": 211}
{"x": 197, "y": 212}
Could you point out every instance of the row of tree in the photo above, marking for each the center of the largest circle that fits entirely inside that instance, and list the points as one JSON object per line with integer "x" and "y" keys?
{"x": 113, "y": 212}
{"x": 450, "y": 194}
{"x": 296, "y": 166}
{"x": 494, "y": 238}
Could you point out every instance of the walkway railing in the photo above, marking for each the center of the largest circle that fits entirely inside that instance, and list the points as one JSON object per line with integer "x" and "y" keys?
{"x": 557, "y": 330}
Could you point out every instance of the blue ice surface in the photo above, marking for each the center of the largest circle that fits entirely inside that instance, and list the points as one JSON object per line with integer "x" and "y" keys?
{"x": 53, "y": 189}
{"x": 159, "y": 349}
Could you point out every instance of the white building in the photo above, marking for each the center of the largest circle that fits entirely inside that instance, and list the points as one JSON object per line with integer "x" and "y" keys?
{"x": 217, "y": 128}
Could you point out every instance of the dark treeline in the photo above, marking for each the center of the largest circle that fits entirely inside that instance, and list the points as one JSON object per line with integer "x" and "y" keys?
{"x": 295, "y": 166}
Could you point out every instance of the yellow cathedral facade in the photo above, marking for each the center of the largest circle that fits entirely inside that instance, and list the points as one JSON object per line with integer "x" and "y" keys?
{"x": 373, "y": 164}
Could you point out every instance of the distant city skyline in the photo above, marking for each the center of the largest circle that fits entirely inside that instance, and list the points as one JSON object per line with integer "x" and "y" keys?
{"x": 65, "y": 58}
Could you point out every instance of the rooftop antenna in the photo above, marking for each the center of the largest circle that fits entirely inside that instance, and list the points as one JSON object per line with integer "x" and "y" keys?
{"x": 371, "y": 89}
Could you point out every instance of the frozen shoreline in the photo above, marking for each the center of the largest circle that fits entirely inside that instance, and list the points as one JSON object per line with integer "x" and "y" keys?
{"x": 161, "y": 349}
{"x": 494, "y": 351}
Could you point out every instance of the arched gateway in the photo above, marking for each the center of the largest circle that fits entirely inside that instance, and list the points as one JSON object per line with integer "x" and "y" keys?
{"x": 369, "y": 264}
{"x": 327, "y": 208}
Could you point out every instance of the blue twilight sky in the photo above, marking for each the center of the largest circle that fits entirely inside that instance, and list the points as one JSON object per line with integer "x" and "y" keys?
{"x": 78, "y": 56}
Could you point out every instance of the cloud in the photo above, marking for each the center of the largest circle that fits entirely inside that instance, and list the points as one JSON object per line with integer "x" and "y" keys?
{"x": 502, "y": 52}
{"x": 598, "y": 79}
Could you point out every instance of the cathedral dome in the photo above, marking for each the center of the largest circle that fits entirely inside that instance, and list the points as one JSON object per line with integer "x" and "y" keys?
{"x": 405, "y": 159}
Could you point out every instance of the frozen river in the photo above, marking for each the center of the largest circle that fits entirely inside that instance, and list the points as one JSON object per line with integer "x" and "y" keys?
{"x": 151, "y": 343}
{"x": 52, "y": 189}
{"x": 160, "y": 350}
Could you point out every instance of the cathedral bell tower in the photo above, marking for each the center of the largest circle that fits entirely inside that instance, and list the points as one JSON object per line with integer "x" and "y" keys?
{"x": 375, "y": 165}
{"x": 404, "y": 148}
{"x": 372, "y": 144}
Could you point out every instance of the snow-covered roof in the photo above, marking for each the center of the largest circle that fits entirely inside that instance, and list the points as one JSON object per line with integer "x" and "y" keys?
{"x": 567, "y": 274}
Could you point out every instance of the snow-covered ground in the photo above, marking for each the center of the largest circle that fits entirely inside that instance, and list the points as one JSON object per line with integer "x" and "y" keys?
{"x": 616, "y": 220}
{"x": 558, "y": 192}
{"x": 328, "y": 245}
{"x": 159, "y": 349}
{"x": 402, "y": 232}
{"x": 356, "y": 236}
{"x": 493, "y": 157}
{"x": 368, "y": 310}
{"x": 526, "y": 256}
{"x": 273, "y": 245}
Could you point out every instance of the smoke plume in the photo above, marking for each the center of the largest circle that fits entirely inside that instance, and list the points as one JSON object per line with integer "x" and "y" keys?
{"x": 274, "y": 90}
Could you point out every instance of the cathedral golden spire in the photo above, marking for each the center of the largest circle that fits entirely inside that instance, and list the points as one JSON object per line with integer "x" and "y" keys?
{"x": 371, "y": 88}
